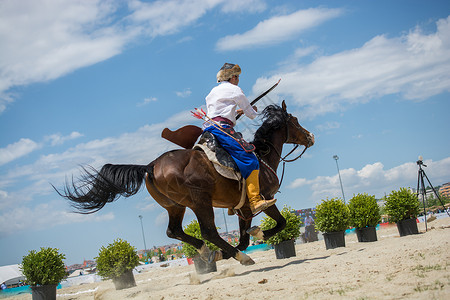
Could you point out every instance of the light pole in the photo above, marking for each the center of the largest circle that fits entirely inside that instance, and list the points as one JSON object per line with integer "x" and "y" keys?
{"x": 143, "y": 236}
{"x": 339, "y": 173}
{"x": 225, "y": 220}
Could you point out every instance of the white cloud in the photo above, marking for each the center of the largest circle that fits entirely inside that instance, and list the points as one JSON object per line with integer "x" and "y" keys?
{"x": 148, "y": 205}
{"x": 47, "y": 39}
{"x": 236, "y": 6}
{"x": 168, "y": 17}
{"x": 139, "y": 147}
{"x": 58, "y": 139}
{"x": 20, "y": 200}
{"x": 43, "y": 216}
{"x": 328, "y": 126}
{"x": 17, "y": 150}
{"x": 278, "y": 29}
{"x": 373, "y": 179}
{"x": 43, "y": 40}
{"x": 162, "y": 219}
{"x": 147, "y": 101}
{"x": 415, "y": 65}
{"x": 184, "y": 94}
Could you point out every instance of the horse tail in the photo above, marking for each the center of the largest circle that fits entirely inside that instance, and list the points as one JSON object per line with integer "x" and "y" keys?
{"x": 96, "y": 188}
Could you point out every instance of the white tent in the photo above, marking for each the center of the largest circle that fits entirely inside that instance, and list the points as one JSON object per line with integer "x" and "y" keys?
{"x": 76, "y": 273}
{"x": 11, "y": 274}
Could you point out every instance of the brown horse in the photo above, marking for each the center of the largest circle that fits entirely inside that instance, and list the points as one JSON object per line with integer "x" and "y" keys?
{"x": 186, "y": 178}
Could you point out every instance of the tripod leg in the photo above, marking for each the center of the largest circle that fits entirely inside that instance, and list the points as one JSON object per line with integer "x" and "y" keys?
{"x": 424, "y": 193}
{"x": 434, "y": 191}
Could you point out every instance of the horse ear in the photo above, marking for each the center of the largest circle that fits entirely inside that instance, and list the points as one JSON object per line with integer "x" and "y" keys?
{"x": 283, "y": 105}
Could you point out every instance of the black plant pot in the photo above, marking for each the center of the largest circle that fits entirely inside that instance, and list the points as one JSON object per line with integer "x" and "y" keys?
{"x": 334, "y": 239}
{"x": 407, "y": 227}
{"x": 366, "y": 234}
{"x": 124, "y": 281}
{"x": 203, "y": 267}
{"x": 285, "y": 249}
{"x": 43, "y": 292}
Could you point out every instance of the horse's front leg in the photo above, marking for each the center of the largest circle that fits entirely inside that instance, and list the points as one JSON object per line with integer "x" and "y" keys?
{"x": 244, "y": 239}
{"x": 274, "y": 213}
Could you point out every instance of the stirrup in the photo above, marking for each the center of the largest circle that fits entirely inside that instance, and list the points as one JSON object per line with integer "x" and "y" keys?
{"x": 263, "y": 205}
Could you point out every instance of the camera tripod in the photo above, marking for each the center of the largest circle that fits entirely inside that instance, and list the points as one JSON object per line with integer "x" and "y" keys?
{"x": 421, "y": 189}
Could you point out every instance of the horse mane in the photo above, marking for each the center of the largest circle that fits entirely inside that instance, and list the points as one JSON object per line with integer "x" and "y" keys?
{"x": 274, "y": 118}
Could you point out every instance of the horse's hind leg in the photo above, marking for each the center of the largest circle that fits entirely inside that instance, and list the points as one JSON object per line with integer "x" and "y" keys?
{"x": 205, "y": 217}
{"x": 175, "y": 230}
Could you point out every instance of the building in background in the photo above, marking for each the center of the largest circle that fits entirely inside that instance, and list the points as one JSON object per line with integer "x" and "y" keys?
{"x": 445, "y": 190}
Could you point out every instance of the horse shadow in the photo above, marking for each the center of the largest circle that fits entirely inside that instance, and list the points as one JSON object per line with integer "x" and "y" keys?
{"x": 271, "y": 268}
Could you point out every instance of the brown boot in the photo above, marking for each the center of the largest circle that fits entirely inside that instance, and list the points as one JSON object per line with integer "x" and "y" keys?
{"x": 260, "y": 205}
{"x": 257, "y": 204}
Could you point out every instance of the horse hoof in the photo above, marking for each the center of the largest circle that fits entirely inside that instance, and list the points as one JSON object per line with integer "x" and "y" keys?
{"x": 256, "y": 232}
{"x": 215, "y": 256}
{"x": 244, "y": 259}
{"x": 205, "y": 253}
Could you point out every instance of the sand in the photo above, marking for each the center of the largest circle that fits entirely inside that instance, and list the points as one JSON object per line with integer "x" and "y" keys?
{"x": 411, "y": 267}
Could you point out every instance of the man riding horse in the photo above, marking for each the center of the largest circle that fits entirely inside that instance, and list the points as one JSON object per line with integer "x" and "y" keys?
{"x": 186, "y": 178}
{"x": 221, "y": 104}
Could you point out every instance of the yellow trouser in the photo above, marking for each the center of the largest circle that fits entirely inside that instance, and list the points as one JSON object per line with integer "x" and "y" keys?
{"x": 252, "y": 182}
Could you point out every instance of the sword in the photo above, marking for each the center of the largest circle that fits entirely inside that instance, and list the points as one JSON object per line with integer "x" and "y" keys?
{"x": 261, "y": 96}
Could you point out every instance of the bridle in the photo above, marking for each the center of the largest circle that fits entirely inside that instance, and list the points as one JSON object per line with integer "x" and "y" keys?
{"x": 284, "y": 158}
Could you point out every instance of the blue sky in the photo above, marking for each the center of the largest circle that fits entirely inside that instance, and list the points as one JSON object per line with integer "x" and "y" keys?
{"x": 95, "y": 82}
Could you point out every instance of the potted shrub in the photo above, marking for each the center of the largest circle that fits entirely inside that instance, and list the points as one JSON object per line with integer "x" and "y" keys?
{"x": 332, "y": 219}
{"x": 43, "y": 271}
{"x": 283, "y": 241}
{"x": 201, "y": 266}
{"x": 402, "y": 207}
{"x": 364, "y": 216}
{"x": 117, "y": 262}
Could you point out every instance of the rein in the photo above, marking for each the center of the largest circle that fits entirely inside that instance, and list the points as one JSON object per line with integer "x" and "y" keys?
{"x": 282, "y": 159}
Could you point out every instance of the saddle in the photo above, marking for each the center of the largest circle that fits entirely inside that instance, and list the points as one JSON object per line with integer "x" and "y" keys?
{"x": 223, "y": 163}
{"x": 221, "y": 159}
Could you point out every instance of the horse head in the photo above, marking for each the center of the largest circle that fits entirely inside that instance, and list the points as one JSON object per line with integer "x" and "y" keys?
{"x": 280, "y": 127}
{"x": 295, "y": 133}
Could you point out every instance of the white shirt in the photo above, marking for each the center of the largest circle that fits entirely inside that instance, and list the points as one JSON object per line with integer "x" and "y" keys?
{"x": 223, "y": 100}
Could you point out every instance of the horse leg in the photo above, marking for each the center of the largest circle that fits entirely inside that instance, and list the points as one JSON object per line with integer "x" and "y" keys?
{"x": 244, "y": 239}
{"x": 274, "y": 213}
{"x": 176, "y": 215}
{"x": 205, "y": 217}
{"x": 175, "y": 231}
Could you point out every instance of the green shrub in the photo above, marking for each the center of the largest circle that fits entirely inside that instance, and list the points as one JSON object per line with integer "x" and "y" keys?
{"x": 332, "y": 215}
{"x": 44, "y": 267}
{"x": 364, "y": 211}
{"x": 401, "y": 205}
{"x": 116, "y": 259}
{"x": 193, "y": 229}
{"x": 291, "y": 231}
